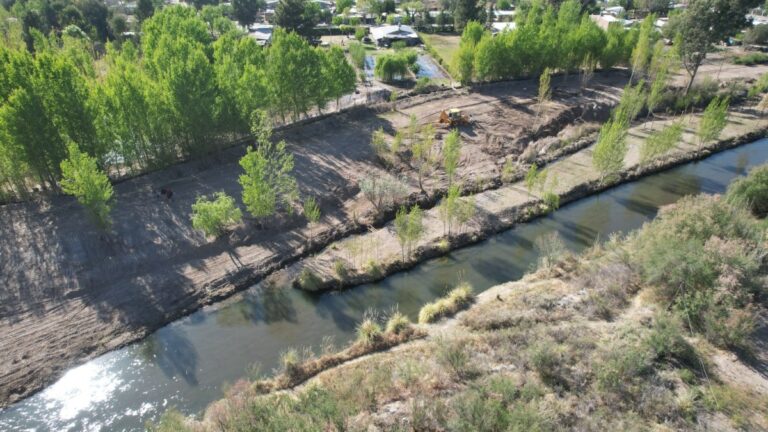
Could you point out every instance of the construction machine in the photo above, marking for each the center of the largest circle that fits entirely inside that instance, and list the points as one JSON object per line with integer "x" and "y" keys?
{"x": 453, "y": 117}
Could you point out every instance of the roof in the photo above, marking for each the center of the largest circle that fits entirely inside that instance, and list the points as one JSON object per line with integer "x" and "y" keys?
{"x": 261, "y": 32}
{"x": 393, "y": 31}
{"x": 499, "y": 27}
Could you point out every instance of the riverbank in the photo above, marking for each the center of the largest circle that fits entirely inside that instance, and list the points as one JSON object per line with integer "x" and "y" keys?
{"x": 583, "y": 343}
{"x": 376, "y": 254}
{"x": 70, "y": 293}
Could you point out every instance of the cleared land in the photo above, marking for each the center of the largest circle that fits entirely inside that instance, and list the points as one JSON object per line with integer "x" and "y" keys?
{"x": 70, "y": 293}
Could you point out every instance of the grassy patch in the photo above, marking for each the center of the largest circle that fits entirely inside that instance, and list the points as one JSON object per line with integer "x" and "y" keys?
{"x": 442, "y": 47}
{"x": 751, "y": 59}
{"x": 459, "y": 298}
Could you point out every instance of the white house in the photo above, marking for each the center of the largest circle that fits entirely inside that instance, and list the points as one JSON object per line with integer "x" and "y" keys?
{"x": 387, "y": 34}
{"x": 499, "y": 27}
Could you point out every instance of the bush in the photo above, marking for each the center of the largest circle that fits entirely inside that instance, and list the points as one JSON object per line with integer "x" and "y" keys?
{"x": 398, "y": 323}
{"x": 395, "y": 65}
{"x": 213, "y": 216}
{"x": 666, "y": 342}
{"x": 308, "y": 280}
{"x": 751, "y": 191}
{"x": 751, "y": 59}
{"x": 360, "y": 33}
{"x": 459, "y": 298}
{"x": 621, "y": 368}
{"x": 357, "y": 52}
{"x": 756, "y": 35}
{"x": 368, "y": 332}
{"x": 453, "y": 355}
{"x": 289, "y": 360}
{"x": 373, "y": 268}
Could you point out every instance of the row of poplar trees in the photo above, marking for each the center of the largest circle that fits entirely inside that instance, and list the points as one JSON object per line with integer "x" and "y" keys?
{"x": 183, "y": 91}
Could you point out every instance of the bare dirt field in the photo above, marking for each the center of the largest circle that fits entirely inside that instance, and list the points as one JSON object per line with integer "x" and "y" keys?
{"x": 69, "y": 293}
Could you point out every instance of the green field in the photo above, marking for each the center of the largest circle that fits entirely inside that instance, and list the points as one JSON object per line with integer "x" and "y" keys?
{"x": 445, "y": 46}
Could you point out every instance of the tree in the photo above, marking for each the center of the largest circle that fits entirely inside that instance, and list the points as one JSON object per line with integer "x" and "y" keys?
{"x": 631, "y": 103}
{"x": 641, "y": 54}
{"x": 267, "y": 182}
{"x": 611, "y": 148}
{"x": 144, "y": 9}
{"x": 300, "y": 16}
{"x": 338, "y": 74}
{"x": 659, "y": 143}
{"x": 705, "y": 22}
{"x": 409, "y": 228}
{"x": 421, "y": 153}
{"x": 312, "y": 213}
{"x": 545, "y": 90}
{"x": 465, "y": 11}
{"x": 587, "y": 71}
{"x": 660, "y": 70}
{"x": 245, "y": 11}
{"x": 82, "y": 178}
{"x": 214, "y": 216}
{"x": 454, "y": 211}
{"x": 451, "y": 154}
{"x": 531, "y": 178}
{"x": 293, "y": 92}
{"x": 713, "y": 121}
{"x": 342, "y": 5}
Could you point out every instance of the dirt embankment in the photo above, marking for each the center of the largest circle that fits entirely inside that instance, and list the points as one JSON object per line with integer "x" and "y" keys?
{"x": 70, "y": 293}
{"x": 374, "y": 255}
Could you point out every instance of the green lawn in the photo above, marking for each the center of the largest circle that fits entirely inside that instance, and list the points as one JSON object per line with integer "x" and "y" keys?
{"x": 445, "y": 45}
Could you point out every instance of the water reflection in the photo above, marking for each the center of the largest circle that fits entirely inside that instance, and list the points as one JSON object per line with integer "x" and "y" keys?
{"x": 186, "y": 363}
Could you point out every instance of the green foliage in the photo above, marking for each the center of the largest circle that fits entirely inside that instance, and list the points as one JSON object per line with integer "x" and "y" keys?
{"x": 545, "y": 89}
{"x": 340, "y": 267}
{"x": 267, "y": 181}
{"x": 398, "y": 323}
{"x": 357, "y": 52}
{"x": 213, "y": 216}
{"x": 453, "y": 355}
{"x": 543, "y": 38}
{"x": 368, "y": 332}
{"x": 713, "y": 121}
{"x": 82, "y": 178}
{"x": 751, "y": 191}
{"x": 394, "y": 65}
{"x": 611, "y": 148}
{"x": 757, "y": 34}
{"x": 751, "y": 59}
{"x": 704, "y": 258}
{"x": 360, "y": 33}
{"x": 409, "y": 227}
{"x": 661, "y": 142}
{"x": 298, "y": 16}
{"x": 451, "y": 154}
{"x": 551, "y": 200}
{"x": 382, "y": 191}
{"x": 457, "y": 299}
{"x": 641, "y": 54}
{"x": 455, "y": 211}
{"x": 308, "y": 280}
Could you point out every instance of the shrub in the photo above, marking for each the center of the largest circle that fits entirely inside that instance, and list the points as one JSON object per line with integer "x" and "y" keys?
{"x": 395, "y": 65}
{"x": 620, "y": 369}
{"x": 546, "y": 360}
{"x": 398, "y": 323}
{"x": 357, "y": 52}
{"x": 752, "y": 190}
{"x": 368, "y": 332}
{"x": 373, "y": 268}
{"x": 422, "y": 84}
{"x": 341, "y": 269}
{"x": 289, "y": 360}
{"x": 756, "y": 34}
{"x": 213, "y": 216}
{"x": 308, "y": 280}
{"x": 666, "y": 342}
{"x": 360, "y": 33}
{"x": 751, "y": 59}
{"x": 459, "y": 298}
{"x": 453, "y": 355}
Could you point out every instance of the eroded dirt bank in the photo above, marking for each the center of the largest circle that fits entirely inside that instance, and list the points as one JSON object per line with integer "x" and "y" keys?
{"x": 70, "y": 293}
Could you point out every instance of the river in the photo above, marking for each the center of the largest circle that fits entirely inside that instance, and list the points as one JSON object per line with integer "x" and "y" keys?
{"x": 187, "y": 363}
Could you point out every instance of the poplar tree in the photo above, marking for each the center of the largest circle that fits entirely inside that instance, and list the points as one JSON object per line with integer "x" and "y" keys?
{"x": 660, "y": 142}
{"x": 82, "y": 178}
{"x": 611, "y": 148}
{"x": 451, "y": 154}
{"x": 409, "y": 228}
{"x": 713, "y": 121}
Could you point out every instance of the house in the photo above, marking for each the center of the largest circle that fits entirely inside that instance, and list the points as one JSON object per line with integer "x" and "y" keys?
{"x": 261, "y": 32}
{"x": 324, "y": 5}
{"x": 387, "y": 34}
{"x": 500, "y": 27}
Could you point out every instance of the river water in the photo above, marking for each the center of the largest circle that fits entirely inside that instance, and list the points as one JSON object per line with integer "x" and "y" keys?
{"x": 187, "y": 363}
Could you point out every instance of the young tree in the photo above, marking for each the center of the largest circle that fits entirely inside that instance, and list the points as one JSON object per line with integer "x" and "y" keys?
{"x": 611, "y": 148}
{"x": 338, "y": 74}
{"x": 82, "y": 178}
{"x": 545, "y": 90}
{"x": 454, "y": 211}
{"x": 382, "y": 190}
{"x": 312, "y": 213}
{"x": 641, "y": 54}
{"x": 451, "y": 154}
{"x": 631, "y": 103}
{"x": 659, "y": 143}
{"x": 214, "y": 216}
{"x": 465, "y": 11}
{"x": 409, "y": 228}
{"x": 267, "y": 182}
{"x": 713, "y": 121}
{"x": 296, "y": 15}
{"x": 144, "y": 9}
{"x": 587, "y": 71}
{"x": 421, "y": 153}
{"x": 661, "y": 68}
{"x": 531, "y": 178}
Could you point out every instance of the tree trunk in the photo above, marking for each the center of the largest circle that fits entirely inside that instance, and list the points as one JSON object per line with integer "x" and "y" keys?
{"x": 693, "y": 77}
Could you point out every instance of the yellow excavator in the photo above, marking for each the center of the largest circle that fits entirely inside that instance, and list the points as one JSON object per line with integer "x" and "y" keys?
{"x": 453, "y": 117}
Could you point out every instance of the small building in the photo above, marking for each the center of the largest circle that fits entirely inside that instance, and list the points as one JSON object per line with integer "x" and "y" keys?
{"x": 386, "y": 35}
{"x": 261, "y": 32}
{"x": 500, "y": 27}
